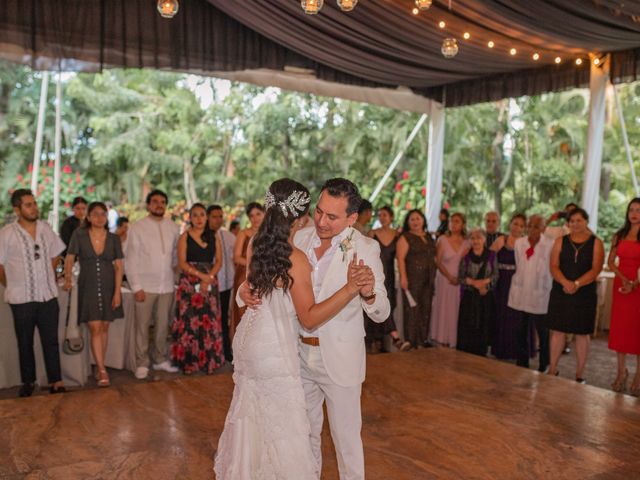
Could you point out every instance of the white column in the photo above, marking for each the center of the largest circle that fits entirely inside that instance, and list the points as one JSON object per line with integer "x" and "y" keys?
{"x": 435, "y": 160}
{"x": 37, "y": 153}
{"x": 595, "y": 138}
{"x": 55, "y": 219}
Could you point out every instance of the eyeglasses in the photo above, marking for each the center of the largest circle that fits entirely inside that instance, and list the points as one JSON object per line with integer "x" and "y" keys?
{"x": 36, "y": 249}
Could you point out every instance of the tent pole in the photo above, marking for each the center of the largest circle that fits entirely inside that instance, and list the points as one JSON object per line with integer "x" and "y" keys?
{"x": 595, "y": 138}
{"x": 625, "y": 138}
{"x": 39, "y": 131}
{"x": 58, "y": 141}
{"x": 398, "y": 157}
{"x": 435, "y": 162}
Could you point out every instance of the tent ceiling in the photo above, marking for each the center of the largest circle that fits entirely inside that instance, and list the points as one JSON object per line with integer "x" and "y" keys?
{"x": 379, "y": 44}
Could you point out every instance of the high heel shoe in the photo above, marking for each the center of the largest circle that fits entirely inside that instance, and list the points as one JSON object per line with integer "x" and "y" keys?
{"x": 620, "y": 384}
{"x": 104, "y": 379}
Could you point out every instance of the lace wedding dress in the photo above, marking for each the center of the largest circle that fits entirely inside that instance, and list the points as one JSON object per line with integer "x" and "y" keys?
{"x": 266, "y": 433}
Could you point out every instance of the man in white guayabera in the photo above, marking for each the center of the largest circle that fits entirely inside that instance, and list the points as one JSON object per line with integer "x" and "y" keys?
{"x": 151, "y": 257}
{"x": 332, "y": 356}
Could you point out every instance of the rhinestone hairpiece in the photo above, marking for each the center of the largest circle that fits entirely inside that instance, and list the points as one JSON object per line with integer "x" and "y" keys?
{"x": 295, "y": 203}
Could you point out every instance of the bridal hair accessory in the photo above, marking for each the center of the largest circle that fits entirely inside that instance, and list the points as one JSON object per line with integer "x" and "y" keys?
{"x": 295, "y": 203}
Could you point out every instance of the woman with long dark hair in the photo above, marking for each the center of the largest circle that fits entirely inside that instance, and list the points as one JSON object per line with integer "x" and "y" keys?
{"x": 576, "y": 262}
{"x": 99, "y": 298}
{"x": 416, "y": 253}
{"x": 624, "y": 333}
{"x": 197, "y": 328}
{"x": 267, "y": 431}
{"x": 255, "y": 213}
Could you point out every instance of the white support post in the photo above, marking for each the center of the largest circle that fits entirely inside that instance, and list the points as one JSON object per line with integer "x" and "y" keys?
{"x": 625, "y": 138}
{"x": 37, "y": 153}
{"x": 55, "y": 219}
{"x": 435, "y": 162}
{"x": 595, "y": 138}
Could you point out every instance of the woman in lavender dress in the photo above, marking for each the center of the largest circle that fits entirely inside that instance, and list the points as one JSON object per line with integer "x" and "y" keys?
{"x": 450, "y": 249}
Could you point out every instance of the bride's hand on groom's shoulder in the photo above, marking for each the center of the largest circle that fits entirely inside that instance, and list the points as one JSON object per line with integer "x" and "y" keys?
{"x": 249, "y": 298}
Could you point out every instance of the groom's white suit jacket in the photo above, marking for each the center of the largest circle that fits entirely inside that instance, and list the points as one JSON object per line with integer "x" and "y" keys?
{"x": 342, "y": 337}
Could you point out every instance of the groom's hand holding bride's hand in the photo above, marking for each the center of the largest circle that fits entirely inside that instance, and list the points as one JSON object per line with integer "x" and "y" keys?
{"x": 360, "y": 278}
{"x": 249, "y": 298}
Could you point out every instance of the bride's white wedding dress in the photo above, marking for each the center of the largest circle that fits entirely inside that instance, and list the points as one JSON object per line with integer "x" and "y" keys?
{"x": 266, "y": 433}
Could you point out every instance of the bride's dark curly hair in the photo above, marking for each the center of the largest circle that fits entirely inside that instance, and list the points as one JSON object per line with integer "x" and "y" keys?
{"x": 270, "y": 261}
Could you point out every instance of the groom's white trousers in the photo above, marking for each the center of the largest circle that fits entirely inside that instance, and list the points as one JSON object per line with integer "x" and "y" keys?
{"x": 343, "y": 409}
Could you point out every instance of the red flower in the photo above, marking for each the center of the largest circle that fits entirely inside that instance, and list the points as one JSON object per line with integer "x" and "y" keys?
{"x": 66, "y": 169}
{"x": 78, "y": 179}
{"x": 405, "y": 175}
{"x": 206, "y": 323}
{"x": 398, "y": 187}
{"x": 446, "y": 205}
{"x": 197, "y": 301}
{"x": 195, "y": 323}
{"x": 91, "y": 188}
{"x": 67, "y": 204}
{"x": 202, "y": 358}
{"x": 19, "y": 177}
{"x": 408, "y": 206}
{"x": 424, "y": 191}
{"x": 30, "y": 168}
{"x": 47, "y": 180}
{"x": 50, "y": 164}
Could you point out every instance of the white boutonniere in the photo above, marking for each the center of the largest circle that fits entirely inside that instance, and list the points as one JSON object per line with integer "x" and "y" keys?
{"x": 346, "y": 245}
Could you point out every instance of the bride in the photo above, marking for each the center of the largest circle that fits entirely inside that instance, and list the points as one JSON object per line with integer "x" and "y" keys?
{"x": 266, "y": 432}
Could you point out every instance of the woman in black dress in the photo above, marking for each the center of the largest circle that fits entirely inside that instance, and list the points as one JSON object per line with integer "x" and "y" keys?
{"x": 416, "y": 253}
{"x": 387, "y": 237}
{"x": 197, "y": 327}
{"x": 576, "y": 262}
{"x": 99, "y": 298}
{"x": 478, "y": 275}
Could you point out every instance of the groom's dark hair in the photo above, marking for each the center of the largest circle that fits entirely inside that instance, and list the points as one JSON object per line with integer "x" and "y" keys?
{"x": 341, "y": 187}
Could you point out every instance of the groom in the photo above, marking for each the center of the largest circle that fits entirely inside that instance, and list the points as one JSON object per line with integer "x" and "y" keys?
{"x": 332, "y": 357}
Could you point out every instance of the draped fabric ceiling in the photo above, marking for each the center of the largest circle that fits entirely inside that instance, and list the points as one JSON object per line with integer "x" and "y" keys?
{"x": 379, "y": 46}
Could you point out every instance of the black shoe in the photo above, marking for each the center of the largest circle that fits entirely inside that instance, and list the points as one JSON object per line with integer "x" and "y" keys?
{"x": 26, "y": 390}
{"x": 581, "y": 381}
{"x": 54, "y": 390}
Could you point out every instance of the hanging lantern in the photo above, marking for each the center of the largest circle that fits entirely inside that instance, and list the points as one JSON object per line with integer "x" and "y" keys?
{"x": 347, "y": 5}
{"x": 449, "y": 47}
{"x": 423, "y": 4}
{"x": 311, "y": 7}
{"x": 168, "y": 8}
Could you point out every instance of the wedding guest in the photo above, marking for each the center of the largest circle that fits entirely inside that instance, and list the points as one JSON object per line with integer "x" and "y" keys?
{"x": 112, "y": 216}
{"x": 450, "y": 249}
{"x": 122, "y": 231}
{"x": 387, "y": 237}
{"x": 529, "y": 292}
{"x": 234, "y": 227}
{"x": 503, "y": 331}
{"x": 576, "y": 262}
{"x": 478, "y": 275}
{"x": 624, "y": 333}
{"x": 215, "y": 215}
{"x": 558, "y": 231}
{"x": 255, "y": 212}
{"x": 416, "y": 254}
{"x": 365, "y": 213}
{"x": 29, "y": 250}
{"x": 197, "y": 330}
{"x": 99, "y": 297}
{"x": 492, "y": 227}
{"x": 151, "y": 259}
{"x": 444, "y": 222}
{"x": 79, "y": 208}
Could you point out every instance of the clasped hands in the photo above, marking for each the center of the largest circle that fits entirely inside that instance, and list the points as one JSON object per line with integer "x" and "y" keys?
{"x": 481, "y": 285}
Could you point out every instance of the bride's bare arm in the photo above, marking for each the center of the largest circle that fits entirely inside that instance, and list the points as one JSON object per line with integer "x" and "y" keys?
{"x": 311, "y": 314}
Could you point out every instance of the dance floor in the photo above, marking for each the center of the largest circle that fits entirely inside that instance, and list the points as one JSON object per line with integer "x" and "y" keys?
{"x": 427, "y": 414}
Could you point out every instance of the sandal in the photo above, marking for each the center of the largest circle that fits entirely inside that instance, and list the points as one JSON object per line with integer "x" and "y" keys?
{"x": 104, "y": 379}
{"x": 403, "y": 346}
{"x": 620, "y": 384}
{"x": 635, "y": 386}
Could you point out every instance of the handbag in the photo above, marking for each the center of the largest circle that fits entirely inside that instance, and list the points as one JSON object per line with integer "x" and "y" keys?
{"x": 73, "y": 341}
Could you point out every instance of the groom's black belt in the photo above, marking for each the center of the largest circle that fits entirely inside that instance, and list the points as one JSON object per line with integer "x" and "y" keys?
{"x": 313, "y": 341}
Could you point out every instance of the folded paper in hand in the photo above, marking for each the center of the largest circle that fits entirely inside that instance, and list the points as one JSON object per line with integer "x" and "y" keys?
{"x": 410, "y": 299}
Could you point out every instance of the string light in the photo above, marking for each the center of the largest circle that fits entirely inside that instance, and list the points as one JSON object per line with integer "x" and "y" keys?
{"x": 536, "y": 56}
{"x": 513, "y": 51}
{"x": 578, "y": 61}
{"x": 491, "y": 44}
{"x": 415, "y": 11}
{"x": 466, "y": 35}
{"x": 347, "y": 5}
{"x": 596, "y": 61}
{"x": 311, "y": 7}
{"x": 557, "y": 60}
{"x": 442, "y": 24}
{"x": 168, "y": 8}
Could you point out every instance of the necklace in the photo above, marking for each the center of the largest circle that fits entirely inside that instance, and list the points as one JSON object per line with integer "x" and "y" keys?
{"x": 576, "y": 249}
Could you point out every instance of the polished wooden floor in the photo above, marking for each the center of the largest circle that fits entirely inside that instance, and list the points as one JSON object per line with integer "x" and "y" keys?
{"x": 427, "y": 414}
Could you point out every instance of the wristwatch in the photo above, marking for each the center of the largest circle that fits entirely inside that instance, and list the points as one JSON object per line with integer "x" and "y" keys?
{"x": 369, "y": 297}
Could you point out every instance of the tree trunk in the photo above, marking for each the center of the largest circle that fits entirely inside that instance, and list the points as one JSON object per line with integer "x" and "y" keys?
{"x": 496, "y": 149}
{"x": 188, "y": 180}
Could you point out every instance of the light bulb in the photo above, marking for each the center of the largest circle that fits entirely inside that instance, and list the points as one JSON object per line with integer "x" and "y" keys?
{"x": 441, "y": 24}
{"x": 491, "y": 44}
{"x": 513, "y": 51}
{"x": 557, "y": 60}
{"x": 168, "y": 8}
{"x": 466, "y": 35}
{"x": 311, "y": 7}
{"x": 536, "y": 56}
{"x": 423, "y": 4}
{"x": 347, "y": 5}
{"x": 596, "y": 61}
{"x": 415, "y": 11}
{"x": 578, "y": 61}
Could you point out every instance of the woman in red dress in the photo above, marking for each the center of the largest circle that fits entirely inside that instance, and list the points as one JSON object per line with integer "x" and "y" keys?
{"x": 624, "y": 334}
